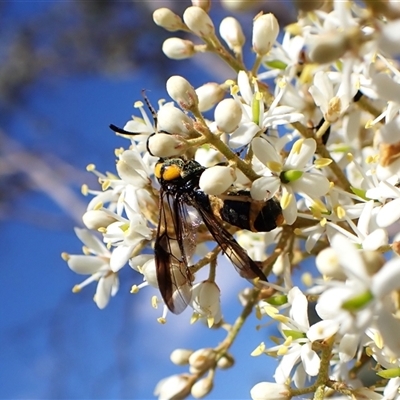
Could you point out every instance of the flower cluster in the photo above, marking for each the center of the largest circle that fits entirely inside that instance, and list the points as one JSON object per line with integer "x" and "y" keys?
{"x": 324, "y": 143}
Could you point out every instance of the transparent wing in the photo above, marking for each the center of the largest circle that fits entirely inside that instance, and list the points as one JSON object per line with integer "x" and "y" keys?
{"x": 173, "y": 246}
{"x": 243, "y": 264}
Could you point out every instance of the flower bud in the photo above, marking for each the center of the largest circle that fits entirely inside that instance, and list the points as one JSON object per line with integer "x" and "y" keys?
{"x": 216, "y": 180}
{"x": 225, "y": 362}
{"x": 270, "y": 391}
{"x": 198, "y": 21}
{"x": 165, "y": 145}
{"x": 95, "y": 219}
{"x": 265, "y": 32}
{"x": 328, "y": 47}
{"x": 227, "y": 115}
{"x": 202, "y": 387}
{"x": 181, "y": 356}
{"x": 239, "y": 5}
{"x": 175, "y": 386}
{"x": 168, "y": 20}
{"x": 178, "y": 49}
{"x": 180, "y": 90}
{"x": 173, "y": 120}
{"x": 231, "y": 31}
{"x": 209, "y": 94}
{"x": 204, "y": 4}
{"x": 202, "y": 359}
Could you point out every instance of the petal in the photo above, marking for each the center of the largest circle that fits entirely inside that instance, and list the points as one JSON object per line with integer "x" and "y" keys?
{"x": 245, "y": 88}
{"x": 92, "y": 242}
{"x": 348, "y": 347}
{"x": 86, "y": 265}
{"x": 120, "y": 257}
{"x": 322, "y": 330}
{"x": 310, "y": 360}
{"x": 386, "y": 279}
{"x": 290, "y": 211}
{"x": 375, "y": 240}
{"x": 264, "y": 187}
{"x": 298, "y": 158}
{"x": 389, "y": 213}
{"x": 287, "y": 363}
{"x": 264, "y": 151}
{"x": 243, "y": 135}
{"x": 299, "y": 309}
{"x": 387, "y": 326}
{"x": 103, "y": 291}
{"x": 313, "y": 185}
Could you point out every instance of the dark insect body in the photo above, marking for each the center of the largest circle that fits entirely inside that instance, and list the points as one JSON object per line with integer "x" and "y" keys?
{"x": 175, "y": 241}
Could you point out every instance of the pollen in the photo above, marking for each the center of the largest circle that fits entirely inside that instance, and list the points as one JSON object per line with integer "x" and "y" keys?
{"x": 161, "y": 320}
{"x": 171, "y": 172}
{"x": 285, "y": 200}
{"x": 76, "y": 289}
{"x": 105, "y": 184}
{"x": 210, "y": 322}
{"x": 340, "y": 212}
{"x": 154, "y": 302}
{"x": 65, "y": 256}
{"x": 322, "y": 162}
{"x": 138, "y": 104}
{"x": 307, "y": 279}
{"x": 258, "y": 350}
{"x": 274, "y": 166}
{"x": 85, "y": 189}
{"x": 134, "y": 289}
{"x": 297, "y": 146}
{"x": 98, "y": 206}
{"x": 195, "y": 317}
{"x": 90, "y": 167}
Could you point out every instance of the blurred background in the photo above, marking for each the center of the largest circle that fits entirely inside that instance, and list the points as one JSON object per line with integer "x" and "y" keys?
{"x": 68, "y": 70}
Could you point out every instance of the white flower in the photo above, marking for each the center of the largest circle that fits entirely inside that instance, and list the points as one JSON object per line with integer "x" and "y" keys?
{"x": 291, "y": 175}
{"x": 206, "y": 301}
{"x": 254, "y": 117}
{"x": 96, "y": 262}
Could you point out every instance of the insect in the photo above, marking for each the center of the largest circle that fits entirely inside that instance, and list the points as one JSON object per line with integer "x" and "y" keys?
{"x": 179, "y": 188}
{"x": 176, "y": 232}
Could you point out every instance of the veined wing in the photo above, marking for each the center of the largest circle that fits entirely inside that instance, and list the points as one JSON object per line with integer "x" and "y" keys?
{"x": 172, "y": 248}
{"x": 243, "y": 264}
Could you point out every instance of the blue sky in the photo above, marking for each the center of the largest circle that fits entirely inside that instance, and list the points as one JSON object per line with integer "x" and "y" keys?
{"x": 56, "y": 344}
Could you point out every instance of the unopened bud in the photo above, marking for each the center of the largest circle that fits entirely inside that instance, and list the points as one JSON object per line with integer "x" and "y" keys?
{"x": 181, "y": 356}
{"x": 167, "y": 19}
{"x": 265, "y": 32}
{"x": 239, "y": 5}
{"x": 173, "y": 120}
{"x": 178, "y": 49}
{"x": 202, "y": 387}
{"x": 182, "y": 92}
{"x": 95, "y": 219}
{"x": 165, "y": 145}
{"x": 202, "y": 359}
{"x": 226, "y": 362}
{"x": 231, "y": 31}
{"x": 217, "y": 180}
{"x": 198, "y": 21}
{"x": 204, "y": 4}
{"x": 227, "y": 115}
{"x": 209, "y": 95}
{"x": 328, "y": 48}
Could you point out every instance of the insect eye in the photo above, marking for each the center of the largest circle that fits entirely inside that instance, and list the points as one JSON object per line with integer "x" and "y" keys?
{"x": 167, "y": 172}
